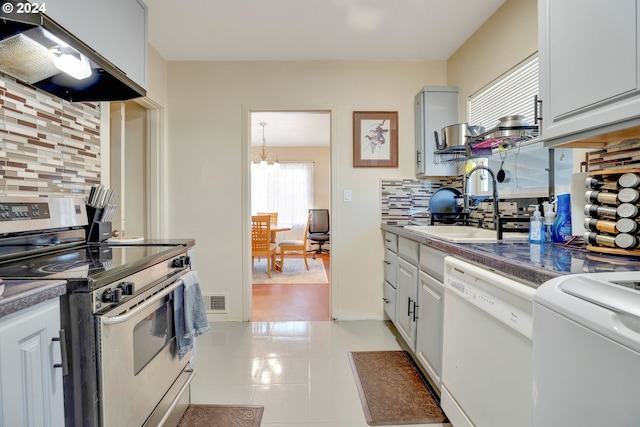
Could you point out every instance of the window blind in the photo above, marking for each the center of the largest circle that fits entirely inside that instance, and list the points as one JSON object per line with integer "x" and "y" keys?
{"x": 510, "y": 94}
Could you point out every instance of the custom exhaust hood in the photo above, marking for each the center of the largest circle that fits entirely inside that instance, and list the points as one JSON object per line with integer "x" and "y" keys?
{"x": 36, "y": 50}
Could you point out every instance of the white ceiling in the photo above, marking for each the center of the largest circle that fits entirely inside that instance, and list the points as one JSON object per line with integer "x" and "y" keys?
{"x": 298, "y": 30}
{"x": 252, "y": 30}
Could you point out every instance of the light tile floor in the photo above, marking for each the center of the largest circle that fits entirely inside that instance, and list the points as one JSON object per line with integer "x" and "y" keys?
{"x": 299, "y": 371}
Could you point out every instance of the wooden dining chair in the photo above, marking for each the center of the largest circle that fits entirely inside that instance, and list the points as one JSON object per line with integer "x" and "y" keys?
{"x": 273, "y": 216}
{"x": 261, "y": 240}
{"x": 296, "y": 245}
{"x": 274, "y": 221}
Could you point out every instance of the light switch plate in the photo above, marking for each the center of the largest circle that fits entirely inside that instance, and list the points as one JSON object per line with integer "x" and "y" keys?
{"x": 347, "y": 196}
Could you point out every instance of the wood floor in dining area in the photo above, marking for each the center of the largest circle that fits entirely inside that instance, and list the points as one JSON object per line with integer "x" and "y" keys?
{"x": 291, "y": 302}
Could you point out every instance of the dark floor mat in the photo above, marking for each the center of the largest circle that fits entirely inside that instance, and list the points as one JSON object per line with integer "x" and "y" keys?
{"x": 392, "y": 391}
{"x": 222, "y": 416}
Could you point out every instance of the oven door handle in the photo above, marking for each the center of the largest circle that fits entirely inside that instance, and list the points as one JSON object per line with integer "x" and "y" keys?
{"x": 123, "y": 318}
{"x": 174, "y": 403}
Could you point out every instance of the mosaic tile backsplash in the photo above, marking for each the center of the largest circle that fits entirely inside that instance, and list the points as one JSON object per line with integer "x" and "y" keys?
{"x": 401, "y": 197}
{"x": 48, "y": 146}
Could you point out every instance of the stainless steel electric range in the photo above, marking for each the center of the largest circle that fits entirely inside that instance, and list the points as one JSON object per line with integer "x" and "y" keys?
{"x": 120, "y": 358}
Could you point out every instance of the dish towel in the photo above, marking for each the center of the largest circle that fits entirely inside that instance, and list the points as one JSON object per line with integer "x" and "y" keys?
{"x": 190, "y": 316}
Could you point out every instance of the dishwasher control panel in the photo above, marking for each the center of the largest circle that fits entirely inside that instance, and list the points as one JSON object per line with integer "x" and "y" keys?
{"x": 509, "y": 309}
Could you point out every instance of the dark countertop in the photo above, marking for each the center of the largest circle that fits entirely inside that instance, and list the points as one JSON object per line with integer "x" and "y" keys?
{"x": 21, "y": 294}
{"x": 532, "y": 264}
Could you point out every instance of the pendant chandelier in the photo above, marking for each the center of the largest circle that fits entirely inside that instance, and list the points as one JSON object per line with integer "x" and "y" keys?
{"x": 265, "y": 160}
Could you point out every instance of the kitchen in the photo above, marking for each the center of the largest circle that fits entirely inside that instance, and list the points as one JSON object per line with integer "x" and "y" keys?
{"x": 208, "y": 103}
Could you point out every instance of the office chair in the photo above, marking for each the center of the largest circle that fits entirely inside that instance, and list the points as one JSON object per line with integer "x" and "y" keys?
{"x": 319, "y": 230}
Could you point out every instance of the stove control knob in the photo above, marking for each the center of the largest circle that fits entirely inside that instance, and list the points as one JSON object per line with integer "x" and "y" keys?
{"x": 128, "y": 288}
{"x": 112, "y": 295}
{"x": 180, "y": 262}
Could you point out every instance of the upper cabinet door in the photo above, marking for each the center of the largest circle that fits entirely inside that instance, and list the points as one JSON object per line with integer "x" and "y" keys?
{"x": 589, "y": 65}
{"x": 116, "y": 29}
{"x": 435, "y": 108}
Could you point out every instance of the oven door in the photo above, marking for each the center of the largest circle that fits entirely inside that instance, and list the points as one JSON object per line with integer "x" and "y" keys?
{"x": 138, "y": 359}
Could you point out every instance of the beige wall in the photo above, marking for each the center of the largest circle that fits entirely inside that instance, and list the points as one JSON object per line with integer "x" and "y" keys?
{"x": 508, "y": 37}
{"x": 208, "y": 158}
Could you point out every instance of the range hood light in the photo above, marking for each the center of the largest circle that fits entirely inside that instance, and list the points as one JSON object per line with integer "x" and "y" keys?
{"x": 77, "y": 68}
{"x": 38, "y": 51}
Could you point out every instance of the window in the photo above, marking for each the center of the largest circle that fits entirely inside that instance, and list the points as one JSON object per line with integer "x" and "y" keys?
{"x": 513, "y": 93}
{"x": 288, "y": 191}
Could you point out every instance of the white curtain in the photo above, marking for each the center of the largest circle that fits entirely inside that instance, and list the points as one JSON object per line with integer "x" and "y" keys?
{"x": 288, "y": 191}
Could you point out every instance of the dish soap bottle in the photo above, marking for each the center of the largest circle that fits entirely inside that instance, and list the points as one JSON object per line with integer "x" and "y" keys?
{"x": 549, "y": 219}
{"x": 561, "y": 231}
{"x": 536, "y": 227}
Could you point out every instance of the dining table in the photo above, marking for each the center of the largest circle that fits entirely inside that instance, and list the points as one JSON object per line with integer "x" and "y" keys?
{"x": 275, "y": 229}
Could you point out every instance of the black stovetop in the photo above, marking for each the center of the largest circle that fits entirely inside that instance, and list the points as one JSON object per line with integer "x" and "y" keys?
{"x": 93, "y": 263}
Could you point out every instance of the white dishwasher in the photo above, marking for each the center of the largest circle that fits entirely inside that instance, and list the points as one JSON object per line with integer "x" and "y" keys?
{"x": 586, "y": 353}
{"x": 486, "y": 359}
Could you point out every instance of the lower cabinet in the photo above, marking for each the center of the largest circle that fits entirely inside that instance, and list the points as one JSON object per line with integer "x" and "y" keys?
{"x": 390, "y": 301}
{"x": 406, "y": 301}
{"x": 31, "y": 388}
{"x": 429, "y": 327}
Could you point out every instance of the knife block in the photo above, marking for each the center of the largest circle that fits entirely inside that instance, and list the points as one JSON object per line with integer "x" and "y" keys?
{"x": 97, "y": 231}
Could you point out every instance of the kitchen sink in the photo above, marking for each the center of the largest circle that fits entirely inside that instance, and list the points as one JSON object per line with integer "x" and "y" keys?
{"x": 464, "y": 234}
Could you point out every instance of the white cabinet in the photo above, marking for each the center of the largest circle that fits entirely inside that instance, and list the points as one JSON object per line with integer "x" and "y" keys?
{"x": 407, "y": 290}
{"x": 430, "y": 313}
{"x": 389, "y": 299}
{"x": 31, "y": 387}
{"x": 429, "y": 328}
{"x": 435, "y": 108}
{"x": 589, "y": 67}
{"x": 406, "y": 301}
{"x": 390, "y": 274}
{"x": 116, "y": 29}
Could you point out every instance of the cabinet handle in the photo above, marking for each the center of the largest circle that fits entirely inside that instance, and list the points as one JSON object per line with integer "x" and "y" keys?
{"x": 387, "y": 240}
{"x": 537, "y": 115}
{"x": 386, "y": 300}
{"x": 64, "y": 362}
{"x": 418, "y": 159}
{"x": 415, "y": 311}
{"x": 409, "y": 307}
{"x": 387, "y": 262}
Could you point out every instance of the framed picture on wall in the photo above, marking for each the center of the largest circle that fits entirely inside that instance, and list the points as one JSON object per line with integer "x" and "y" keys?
{"x": 375, "y": 139}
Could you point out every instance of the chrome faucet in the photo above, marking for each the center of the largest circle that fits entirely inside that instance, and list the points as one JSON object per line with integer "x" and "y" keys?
{"x": 495, "y": 193}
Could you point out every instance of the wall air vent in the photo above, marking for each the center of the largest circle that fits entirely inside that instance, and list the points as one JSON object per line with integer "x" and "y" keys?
{"x": 215, "y": 303}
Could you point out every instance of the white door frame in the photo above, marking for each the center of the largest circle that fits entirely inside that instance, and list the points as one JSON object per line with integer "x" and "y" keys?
{"x": 246, "y": 200}
{"x": 156, "y": 149}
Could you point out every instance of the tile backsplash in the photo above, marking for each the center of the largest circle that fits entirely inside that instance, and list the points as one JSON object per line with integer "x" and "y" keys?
{"x": 48, "y": 146}
{"x": 401, "y": 196}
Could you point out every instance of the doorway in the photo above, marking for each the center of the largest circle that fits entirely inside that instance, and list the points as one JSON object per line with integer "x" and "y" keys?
{"x": 136, "y": 146}
{"x": 290, "y": 152}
